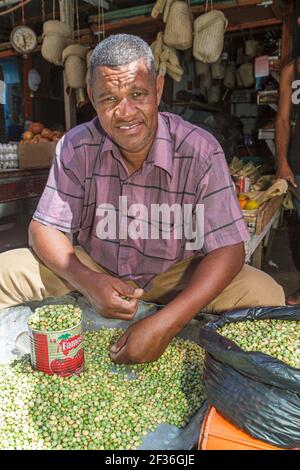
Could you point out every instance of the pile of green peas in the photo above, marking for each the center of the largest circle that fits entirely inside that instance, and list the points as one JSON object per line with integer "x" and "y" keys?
{"x": 107, "y": 407}
{"x": 55, "y": 317}
{"x": 278, "y": 338}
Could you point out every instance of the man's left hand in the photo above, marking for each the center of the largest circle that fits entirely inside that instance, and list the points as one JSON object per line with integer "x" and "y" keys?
{"x": 145, "y": 341}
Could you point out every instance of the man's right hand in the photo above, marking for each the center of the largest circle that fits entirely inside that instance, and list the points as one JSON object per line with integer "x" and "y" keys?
{"x": 285, "y": 172}
{"x": 107, "y": 293}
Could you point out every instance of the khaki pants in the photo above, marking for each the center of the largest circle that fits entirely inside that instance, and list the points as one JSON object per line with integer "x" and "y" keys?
{"x": 23, "y": 277}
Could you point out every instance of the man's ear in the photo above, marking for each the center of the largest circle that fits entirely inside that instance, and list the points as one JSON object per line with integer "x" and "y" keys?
{"x": 160, "y": 81}
{"x": 90, "y": 94}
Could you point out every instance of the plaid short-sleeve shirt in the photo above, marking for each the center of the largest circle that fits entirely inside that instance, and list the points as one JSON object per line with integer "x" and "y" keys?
{"x": 185, "y": 166}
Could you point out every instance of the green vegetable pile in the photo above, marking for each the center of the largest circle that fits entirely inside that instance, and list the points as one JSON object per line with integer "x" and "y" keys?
{"x": 55, "y": 318}
{"x": 278, "y": 338}
{"x": 109, "y": 406}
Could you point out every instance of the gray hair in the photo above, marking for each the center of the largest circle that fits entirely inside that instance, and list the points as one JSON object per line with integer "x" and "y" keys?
{"x": 121, "y": 49}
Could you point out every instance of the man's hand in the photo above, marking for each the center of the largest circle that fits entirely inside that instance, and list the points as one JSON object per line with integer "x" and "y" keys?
{"x": 285, "y": 172}
{"x": 145, "y": 341}
{"x": 107, "y": 294}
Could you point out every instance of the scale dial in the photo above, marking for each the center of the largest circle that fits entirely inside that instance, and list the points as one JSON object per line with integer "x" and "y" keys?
{"x": 23, "y": 39}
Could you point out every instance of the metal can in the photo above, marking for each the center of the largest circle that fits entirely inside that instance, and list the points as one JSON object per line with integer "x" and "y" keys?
{"x": 57, "y": 352}
{"x": 244, "y": 184}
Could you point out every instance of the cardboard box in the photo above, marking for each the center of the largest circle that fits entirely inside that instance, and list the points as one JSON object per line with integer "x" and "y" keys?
{"x": 257, "y": 219}
{"x": 36, "y": 155}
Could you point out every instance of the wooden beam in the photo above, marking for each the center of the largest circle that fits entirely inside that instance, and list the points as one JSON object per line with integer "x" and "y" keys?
{"x": 146, "y": 9}
{"x": 66, "y": 15}
{"x": 254, "y": 24}
{"x": 139, "y": 21}
{"x": 286, "y": 38}
{"x": 226, "y": 5}
{"x": 145, "y": 21}
{"x": 70, "y": 106}
{"x": 27, "y": 65}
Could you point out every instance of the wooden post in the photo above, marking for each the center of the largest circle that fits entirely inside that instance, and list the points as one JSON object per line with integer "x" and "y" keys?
{"x": 27, "y": 65}
{"x": 70, "y": 106}
{"x": 66, "y": 16}
{"x": 286, "y": 39}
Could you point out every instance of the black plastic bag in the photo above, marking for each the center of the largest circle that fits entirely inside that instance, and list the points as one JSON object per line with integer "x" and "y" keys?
{"x": 256, "y": 392}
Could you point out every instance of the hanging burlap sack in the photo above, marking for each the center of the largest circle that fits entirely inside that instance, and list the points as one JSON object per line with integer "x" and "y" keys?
{"x": 246, "y": 73}
{"x": 53, "y": 46}
{"x": 179, "y": 28}
{"x": 239, "y": 81}
{"x": 162, "y": 68}
{"x": 251, "y": 47}
{"x": 74, "y": 60}
{"x": 214, "y": 94}
{"x": 201, "y": 68}
{"x": 209, "y": 32}
{"x": 217, "y": 70}
{"x": 157, "y": 49}
{"x": 57, "y": 27}
{"x": 173, "y": 73}
{"x": 158, "y": 8}
{"x": 205, "y": 82}
{"x": 88, "y": 64}
{"x": 56, "y": 37}
{"x": 229, "y": 77}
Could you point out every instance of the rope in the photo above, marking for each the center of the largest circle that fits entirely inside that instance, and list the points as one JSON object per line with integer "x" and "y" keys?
{"x": 53, "y": 9}
{"x": 206, "y": 5}
{"x": 99, "y": 19}
{"x": 10, "y": 10}
{"x": 13, "y": 23}
{"x": 23, "y": 12}
{"x": 77, "y": 19}
{"x": 103, "y": 22}
{"x": 43, "y": 11}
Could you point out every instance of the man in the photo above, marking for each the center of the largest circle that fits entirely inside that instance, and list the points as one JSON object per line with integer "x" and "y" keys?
{"x": 149, "y": 158}
{"x": 288, "y": 148}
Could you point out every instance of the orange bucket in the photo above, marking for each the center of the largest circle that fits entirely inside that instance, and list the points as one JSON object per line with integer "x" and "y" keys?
{"x": 218, "y": 434}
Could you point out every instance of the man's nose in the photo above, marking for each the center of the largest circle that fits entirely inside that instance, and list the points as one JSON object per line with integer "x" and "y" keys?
{"x": 124, "y": 109}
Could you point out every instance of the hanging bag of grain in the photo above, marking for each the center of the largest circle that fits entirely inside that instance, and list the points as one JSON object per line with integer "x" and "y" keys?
{"x": 205, "y": 82}
{"x": 229, "y": 77}
{"x": 201, "y": 68}
{"x": 251, "y": 46}
{"x": 74, "y": 60}
{"x": 246, "y": 73}
{"x": 209, "y": 30}
{"x": 56, "y": 37}
{"x": 252, "y": 371}
{"x": 179, "y": 28}
{"x": 214, "y": 94}
{"x": 217, "y": 70}
{"x": 88, "y": 64}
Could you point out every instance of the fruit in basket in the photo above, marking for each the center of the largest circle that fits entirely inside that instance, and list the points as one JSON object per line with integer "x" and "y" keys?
{"x": 56, "y": 134}
{"x": 44, "y": 135}
{"x": 28, "y": 135}
{"x": 251, "y": 205}
{"x": 47, "y": 133}
{"x": 243, "y": 200}
{"x": 36, "y": 127}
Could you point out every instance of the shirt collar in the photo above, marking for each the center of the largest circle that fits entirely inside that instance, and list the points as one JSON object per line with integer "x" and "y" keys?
{"x": 161, "y": 153}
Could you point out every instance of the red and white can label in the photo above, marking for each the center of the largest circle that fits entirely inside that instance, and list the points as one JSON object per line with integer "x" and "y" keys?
{"x": 57, "y": 352}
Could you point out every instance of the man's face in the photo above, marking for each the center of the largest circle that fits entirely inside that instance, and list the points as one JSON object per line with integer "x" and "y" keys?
{"x": 126, "y": 100}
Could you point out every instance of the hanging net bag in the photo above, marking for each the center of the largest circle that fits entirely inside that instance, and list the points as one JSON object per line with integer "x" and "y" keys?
{"x": 209, "y": 30}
